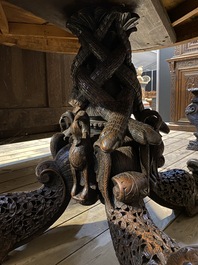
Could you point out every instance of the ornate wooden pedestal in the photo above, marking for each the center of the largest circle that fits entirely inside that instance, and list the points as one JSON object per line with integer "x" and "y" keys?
{"x": 103, "y": 154}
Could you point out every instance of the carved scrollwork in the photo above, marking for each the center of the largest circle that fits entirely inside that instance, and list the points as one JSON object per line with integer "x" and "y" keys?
{"x": 25, "y": 215}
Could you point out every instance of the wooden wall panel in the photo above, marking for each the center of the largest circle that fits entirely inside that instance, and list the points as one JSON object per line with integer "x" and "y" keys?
{"x": 34, "y": 91}
{"x": 22, "y": 76}
{"x": 34, "y": 79}
{"x": 59, "y": 78}
{"x": 67, "y": 85}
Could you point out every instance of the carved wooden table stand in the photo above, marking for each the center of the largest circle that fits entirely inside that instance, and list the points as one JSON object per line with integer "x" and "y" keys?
{"x": 104, "y": 154}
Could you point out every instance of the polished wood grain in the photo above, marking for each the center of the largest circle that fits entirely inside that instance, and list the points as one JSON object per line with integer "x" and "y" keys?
{"x": 81, "y": 236}
{"x": 34, "y": 92}
{"x": 185, "y": 17}
{"x": 25, "y": 30}
{"x": 17, "y": 14}
{"x": 154, "y": 29}
{"x": 162, "y": 24}
{"x": 3, "y": 20}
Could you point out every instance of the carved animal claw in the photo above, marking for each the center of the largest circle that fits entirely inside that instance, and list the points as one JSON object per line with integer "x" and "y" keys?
{"x": 192, "y": 165}
{"x": 192, "y": 255}
{"x": 184, "y": 256}
{"x": 143, "y": 133}
{"x": 109, "y": 141}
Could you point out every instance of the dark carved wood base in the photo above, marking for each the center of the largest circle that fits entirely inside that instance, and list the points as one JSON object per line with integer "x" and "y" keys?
{"x": 102, "y": 153}
{"x": 191, "y": 112}
{"x": 24, "y": 215}
{"x": 193, "y": 145}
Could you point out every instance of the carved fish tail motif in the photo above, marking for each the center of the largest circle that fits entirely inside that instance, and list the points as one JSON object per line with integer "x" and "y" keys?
{"x": 24, "y": 215}
{"x": 136, "y": 239}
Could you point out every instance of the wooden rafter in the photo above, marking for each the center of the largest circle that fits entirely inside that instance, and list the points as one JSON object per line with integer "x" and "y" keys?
{"x": 46, "y": 38}
{"x": 28, "y": 23}
{"x": 49, "y": 44}
{"x": 185, "y": 17}
{"x": 181, "y": 9}
{"x": 23, "y": 29}
{"x": 17, "y": 14}
{"x": 3, "y": 21}
{"x": 183, "y": 33}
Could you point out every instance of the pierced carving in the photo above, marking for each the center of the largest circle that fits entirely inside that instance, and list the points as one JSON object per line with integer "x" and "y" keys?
{"x": 25, "y": 215}
{"x": 190, "y": 47}
{"x": 103, "y": 153}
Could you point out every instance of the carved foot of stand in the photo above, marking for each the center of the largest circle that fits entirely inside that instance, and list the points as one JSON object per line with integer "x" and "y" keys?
{"x": 193, "y": 145}
{"x": 25, "y": 215}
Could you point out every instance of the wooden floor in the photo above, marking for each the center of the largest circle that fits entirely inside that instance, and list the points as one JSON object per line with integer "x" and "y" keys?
{"x": 81, "y": 236}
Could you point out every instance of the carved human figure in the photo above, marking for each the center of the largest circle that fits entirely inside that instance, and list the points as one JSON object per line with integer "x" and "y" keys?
{"x": 144, "y": 80}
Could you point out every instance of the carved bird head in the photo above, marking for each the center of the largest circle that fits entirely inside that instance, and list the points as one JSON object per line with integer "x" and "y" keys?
{"x": 192, "y": 113}
{"x": 66, "y": 120}
{"x": 191, "y": 108}
{"x": 80, "y": 127}
{"x": 192, "y": 165}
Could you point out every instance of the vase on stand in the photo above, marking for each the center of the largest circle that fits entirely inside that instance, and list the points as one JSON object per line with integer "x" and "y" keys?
{"x": 191, "y": 112}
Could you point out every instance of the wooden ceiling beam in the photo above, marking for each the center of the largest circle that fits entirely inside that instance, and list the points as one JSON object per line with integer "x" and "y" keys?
{"x": 182, "y": 9}
{"x": 49, "y": 44}
{"x": 183, "y": 33}
{"x": 17, "y": 14}
{"x": 3, "y": 20}
{"x": 46, "y": 38}
{"x": 36, "y": 30}
{"x": 185, "y": 17}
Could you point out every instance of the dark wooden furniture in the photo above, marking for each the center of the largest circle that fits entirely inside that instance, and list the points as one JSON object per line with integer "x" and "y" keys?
{"x": 184, "y": 75}
{"x": 102, "y": 153}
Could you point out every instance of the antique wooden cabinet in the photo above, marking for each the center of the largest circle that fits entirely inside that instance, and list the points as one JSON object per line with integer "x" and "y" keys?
{"x": 184, "y": 75}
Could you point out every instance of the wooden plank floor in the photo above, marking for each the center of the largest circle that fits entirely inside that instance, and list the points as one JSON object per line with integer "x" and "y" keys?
{"x": 81, "y": 236}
